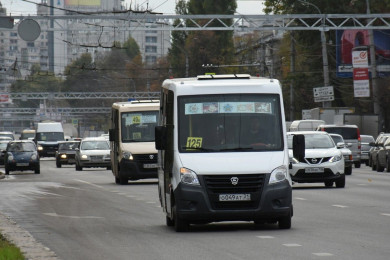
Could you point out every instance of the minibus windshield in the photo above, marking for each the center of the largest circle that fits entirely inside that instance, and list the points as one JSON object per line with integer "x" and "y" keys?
{"x": 138, "y": 126}
{"x": 230, "y": 123}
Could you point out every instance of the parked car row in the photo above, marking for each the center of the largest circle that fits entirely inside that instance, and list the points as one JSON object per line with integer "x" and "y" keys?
{"x": 379, "y": 154}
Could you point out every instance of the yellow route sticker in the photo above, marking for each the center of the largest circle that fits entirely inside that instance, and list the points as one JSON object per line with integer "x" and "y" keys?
{"x": 136, "y": 119}
{"x": 194, "y": 142}
{"x": 137, "y": 135}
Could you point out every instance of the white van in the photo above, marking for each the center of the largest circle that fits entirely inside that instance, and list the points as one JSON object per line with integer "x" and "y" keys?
{"x": 222, "y": 151}
{"x": 305, "y": 125}
{"x": 47, "y": 136}
{"x": 133, "y": 154}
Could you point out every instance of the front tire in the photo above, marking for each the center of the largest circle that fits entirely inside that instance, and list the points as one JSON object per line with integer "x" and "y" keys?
{"x": 37, "y": 171}
{"x": 348, "y": 170}
{"x": 379, "y": 168}
{"x": 6, "y": 171}
{"x": 78, "y": 167}
{"x": 181, "y": 225}
{"x": 58, "y": 164}
{"x": 285, "y": 222}
{"x": 328, "y": 184}
{"x": 340, "y": 183}
{"x": 357, "y": 164}
{"x": 387, "y": 165}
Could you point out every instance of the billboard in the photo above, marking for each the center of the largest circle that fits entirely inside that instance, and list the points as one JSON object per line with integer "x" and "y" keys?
{"x": 347, "y": 40}
{"x": 83, "y": 2}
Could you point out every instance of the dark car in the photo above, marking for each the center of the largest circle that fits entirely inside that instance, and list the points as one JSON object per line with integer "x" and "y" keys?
{"x": 3, "y": 148}
{"x": 21, "y": 155}
{"x": 66, "y": 153}
{"x": 366, "y": 140}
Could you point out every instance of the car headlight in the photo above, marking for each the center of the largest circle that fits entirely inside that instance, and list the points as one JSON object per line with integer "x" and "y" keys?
{"x": 278, "y": 175}
{"x": 63, "y": 156}
{"x": 84, "y": 157}
{"x": 34, "y": 157}
{"x": 128, "y": 156}
{"x": 40, "y": 148}
{"x": 10, "y": 157}
{"x": 188, "y": 177}
{"x": 335, "y": 158}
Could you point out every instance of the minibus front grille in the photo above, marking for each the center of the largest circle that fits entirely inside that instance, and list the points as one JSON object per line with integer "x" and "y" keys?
{"x": 145, "y": 158}
{"x": 234, "y": 184}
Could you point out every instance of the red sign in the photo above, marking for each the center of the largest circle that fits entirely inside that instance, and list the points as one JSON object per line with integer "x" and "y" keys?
{"x": 360, "y": 74}
{"x": 4, "y": 98}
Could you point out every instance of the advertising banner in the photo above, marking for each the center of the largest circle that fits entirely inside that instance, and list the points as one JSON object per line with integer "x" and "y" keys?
{"x": 82, "y": 2}
{"x": 347, "y": 40}
{"x": 361, "y": 82}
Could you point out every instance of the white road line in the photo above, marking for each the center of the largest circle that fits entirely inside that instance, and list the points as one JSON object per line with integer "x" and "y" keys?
{"x": 385, "y": 214}
{"x": 151, "y": 202}
{"x": 298, "y": 198}
{"x": 339, "y": 206}
{"x": 97, "y": 186}
{"x": 322, "y": 254}
{"x": 265, "y": 237}
{"x": 292, "y": 245}
{"x": 362, "y": 184}
{"x": 72, "y": 217}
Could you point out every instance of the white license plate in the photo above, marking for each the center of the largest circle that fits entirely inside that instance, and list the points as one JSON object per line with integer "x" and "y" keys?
{"x": 150, "y": 165}
{"x": 314, "y": 170}
{"x": 234, "y": 197}
{"x": 22, "y": 164}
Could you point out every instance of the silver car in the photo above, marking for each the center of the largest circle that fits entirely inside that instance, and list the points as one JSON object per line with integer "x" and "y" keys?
{"x": 93, "y": 152}
{"x": 366, "y": 140}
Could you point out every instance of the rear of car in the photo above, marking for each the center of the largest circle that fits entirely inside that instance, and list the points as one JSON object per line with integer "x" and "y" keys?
{"x": 7, "y": 134}
{"x": 366, "y": 140}
{"x": 351, "y": 135}
{"x": 323, "y": 162}
{"x": 3, "y": 149}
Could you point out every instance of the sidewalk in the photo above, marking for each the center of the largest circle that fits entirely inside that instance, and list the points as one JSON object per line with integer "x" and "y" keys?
{"x": 31, "y": 249}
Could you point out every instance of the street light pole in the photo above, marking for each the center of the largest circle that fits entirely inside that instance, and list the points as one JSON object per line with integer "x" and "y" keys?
{"x": 325, "y": 64}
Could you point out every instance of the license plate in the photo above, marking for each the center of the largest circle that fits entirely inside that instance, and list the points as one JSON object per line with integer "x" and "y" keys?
{"x": 314, "y": 170}
{"x": 22, "y": 164}
{"x": 234, "y": 197}
{"x": 150, "y": 165}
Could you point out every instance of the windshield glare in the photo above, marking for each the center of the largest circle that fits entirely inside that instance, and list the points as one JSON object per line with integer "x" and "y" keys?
{"x": 138, "y": 126}
{"x": 230, "y": 122}
{"x": 95, "y": 145}
{"x": 314, "y": 141}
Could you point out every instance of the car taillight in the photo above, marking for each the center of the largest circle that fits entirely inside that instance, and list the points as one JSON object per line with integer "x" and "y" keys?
{"x": 359, "y": 140}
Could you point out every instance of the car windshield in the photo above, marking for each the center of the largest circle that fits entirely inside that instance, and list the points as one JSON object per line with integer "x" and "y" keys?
{"x": 314, "y": 141}
{"x": 230, "y": 122}
{"x": 345, "y": 132}
{"x": 138, "y": 126}
{"x": 8, "y": 135}
{"x": 21, "y": 147}
{"x": 337, "y": 139}
{"x": 367, "y": 139}
{"x": 95, "y": 145}
{"x": 68, "y": 146}
{"x": 51, "y": 136}
{"x": 27, "y": 135}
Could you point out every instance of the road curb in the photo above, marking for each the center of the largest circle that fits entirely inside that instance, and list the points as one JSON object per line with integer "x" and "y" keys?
{"x": 21, "y": 238}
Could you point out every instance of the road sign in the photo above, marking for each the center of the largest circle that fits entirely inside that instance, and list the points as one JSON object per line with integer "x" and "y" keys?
{"x": 323, "y": 99}
{"x": 323, "y": 91}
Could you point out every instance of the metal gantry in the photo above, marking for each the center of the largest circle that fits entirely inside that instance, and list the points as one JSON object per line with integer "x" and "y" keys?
{"x": 215, "y": 22}
{"x": 82, "y": 95}
{"x": 59, "y": 110}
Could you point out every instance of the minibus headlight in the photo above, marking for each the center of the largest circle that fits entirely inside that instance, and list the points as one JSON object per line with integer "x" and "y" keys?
{"x": 128, "y": 156}
{"x": 188, "y": 177}
{"x": 278, "y": 175}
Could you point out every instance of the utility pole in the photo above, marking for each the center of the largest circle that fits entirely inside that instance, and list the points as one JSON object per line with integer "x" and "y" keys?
{"x": 375, "y": 90}
{"x": 292, "y": 70}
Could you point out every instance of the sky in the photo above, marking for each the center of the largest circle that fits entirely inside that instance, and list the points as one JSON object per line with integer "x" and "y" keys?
{"x": 19, "y": 7}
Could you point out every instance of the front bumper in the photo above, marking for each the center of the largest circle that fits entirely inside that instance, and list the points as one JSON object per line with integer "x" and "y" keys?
{"x": 135, "y": 169}
{"x": 22, "y": 166}
{"x": 197, "y": 205}
{"x": 92, "y": 164}
{"x": 331, "y": 171}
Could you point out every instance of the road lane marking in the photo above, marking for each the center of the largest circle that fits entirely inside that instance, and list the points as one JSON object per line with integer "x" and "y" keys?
{"x": 298, "y": 198}
{"x": 339, "y": 206}
{"x": 322, "y": 254}
{"x": 72, "y": 217}
{"x": 265, "y": 237}
{"x": 292, "y": 245}
{"x": 97, "y": 186}
{"x": 385, "y": 214}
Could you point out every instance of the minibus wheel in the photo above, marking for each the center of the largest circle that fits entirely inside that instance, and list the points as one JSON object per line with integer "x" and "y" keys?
{"x": 181, "y": 225}
{"x": 285, "y": 222}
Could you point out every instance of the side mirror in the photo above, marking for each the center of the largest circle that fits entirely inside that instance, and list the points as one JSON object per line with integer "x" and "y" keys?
{"x": 160, "y": 137}
{"x": 111, "y": 135}
{"x": 299, "y": 147}
{"x": 371, "y": 144}
{"x": 341, "y": 145}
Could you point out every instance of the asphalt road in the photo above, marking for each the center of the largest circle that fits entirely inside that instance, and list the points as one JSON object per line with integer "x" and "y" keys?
{"x": 85, "y": 215}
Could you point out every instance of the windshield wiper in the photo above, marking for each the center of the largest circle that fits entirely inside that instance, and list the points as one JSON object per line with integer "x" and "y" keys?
{"x": 237, "y": 149}
{"x": 198, "y": 149}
